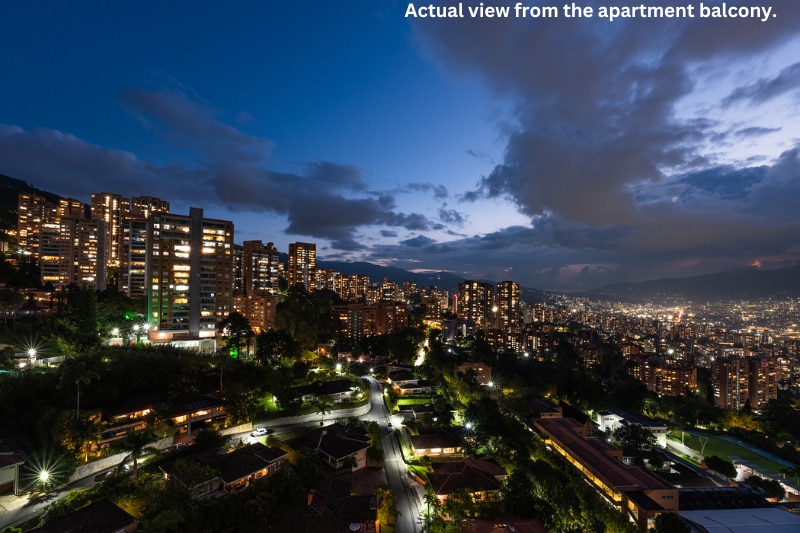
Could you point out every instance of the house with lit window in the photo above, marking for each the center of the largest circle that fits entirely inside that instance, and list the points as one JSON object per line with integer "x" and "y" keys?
{"x": 481, "y": 478}
{"x": 227, "y": 472}
{"x": 439, "y": 442}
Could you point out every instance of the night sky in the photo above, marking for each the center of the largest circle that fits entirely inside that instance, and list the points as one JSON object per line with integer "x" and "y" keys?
{"x": 559, "y": 153}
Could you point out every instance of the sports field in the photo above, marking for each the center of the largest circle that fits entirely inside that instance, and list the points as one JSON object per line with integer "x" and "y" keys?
{"x": 724, "y": 448}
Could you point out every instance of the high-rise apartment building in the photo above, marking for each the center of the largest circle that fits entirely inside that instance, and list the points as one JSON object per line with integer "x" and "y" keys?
{"x": 125, "y": 222}
{"x": 133, "y": 278}
{"x": 475, "y": 300}
{"x": 358, "y": 320}
{"x": 257, "y": 271}
{"x": 261, "y": 267}
{"x": 509, "y": 315}
{"x": 144, "y": 206}
{"x": 741, "y": 380}
{"x": 115, "y": 211}
{"x": 63, "y": 240}
{"x": 302, "y": 264}
{"x": 30, "y": 214}
{"x": 189, "y": 275}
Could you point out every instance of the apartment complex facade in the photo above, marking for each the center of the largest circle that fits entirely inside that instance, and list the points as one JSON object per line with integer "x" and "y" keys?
{"x": 745, "y": 381}
{"x": 302, "y": 265}
{"x": 189, "y": 276}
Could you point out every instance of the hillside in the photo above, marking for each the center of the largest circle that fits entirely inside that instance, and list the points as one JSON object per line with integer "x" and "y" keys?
{"x": 744, "y": 284}
{"x": 10, "y": 189}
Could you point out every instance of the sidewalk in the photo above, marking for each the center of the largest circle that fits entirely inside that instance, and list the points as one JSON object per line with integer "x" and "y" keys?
{"x": 18, "y": 509}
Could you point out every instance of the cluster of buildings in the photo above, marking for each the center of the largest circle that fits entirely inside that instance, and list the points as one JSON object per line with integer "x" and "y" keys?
{"x": 193, "y": 275}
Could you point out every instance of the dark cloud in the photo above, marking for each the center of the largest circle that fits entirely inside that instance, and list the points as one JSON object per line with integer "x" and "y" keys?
{"x": 451, "y": 216}
{"x": 788, "y": 80}
{"x": 754, "y": 131}
{"x": 323, "y": 200}
{"x": 418, "y": 242}
{"x": 439, "y": 191}
{"x": 617, "y": 183}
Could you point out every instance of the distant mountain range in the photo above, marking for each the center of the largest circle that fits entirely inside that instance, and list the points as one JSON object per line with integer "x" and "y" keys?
{"x": 744, "y": 284}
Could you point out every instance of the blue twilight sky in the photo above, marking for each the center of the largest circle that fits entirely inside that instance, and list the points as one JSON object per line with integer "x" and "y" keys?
{"x": 560, "y": 153}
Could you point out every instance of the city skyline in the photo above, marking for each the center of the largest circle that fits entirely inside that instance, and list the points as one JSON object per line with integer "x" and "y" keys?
{"x": 562, "y": 154}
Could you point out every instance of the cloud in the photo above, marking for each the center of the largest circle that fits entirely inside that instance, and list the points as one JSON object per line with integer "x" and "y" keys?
{"x": 322, "y": 199}
{"x": 439, "y": 191}
{"x": 417, "y": 242}
{"x": 451, "y": 216}
{"x": 755, "y": 131}
{"x": 763, "y": 90}
{"x": 617, "y": 155}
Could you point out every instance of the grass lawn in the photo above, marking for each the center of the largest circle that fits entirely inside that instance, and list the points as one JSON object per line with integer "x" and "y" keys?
{"x": 725, "y": 449}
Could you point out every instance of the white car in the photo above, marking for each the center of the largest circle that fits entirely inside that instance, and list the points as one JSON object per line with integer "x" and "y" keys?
{"x": 259, "y": 432}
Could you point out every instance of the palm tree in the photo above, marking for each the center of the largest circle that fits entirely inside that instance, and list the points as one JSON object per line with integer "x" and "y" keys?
{"x": 78, "y": 372}
{"x": 433, "y": 506}
{"x": 136, "y": 443}
{"x": 324, "y": 405}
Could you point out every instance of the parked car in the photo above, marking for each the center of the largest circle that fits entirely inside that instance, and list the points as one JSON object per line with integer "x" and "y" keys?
{"x": 260, "y": 432}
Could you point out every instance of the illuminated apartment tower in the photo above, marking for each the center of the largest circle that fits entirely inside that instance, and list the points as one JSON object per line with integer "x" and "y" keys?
{"x": 132, "y": 278}
{"x": 475, "y": 302}
{"x": 189, "y": 276}
{"x": 509, "y": 316}
{"x": 302, "y": 264}
{"x": 30, "y": 213}
{"x": 261, "y": 268}
{"x": 738, "y": 380}
{"x": 64, "y": 241}
{"x": 115, "y": 211}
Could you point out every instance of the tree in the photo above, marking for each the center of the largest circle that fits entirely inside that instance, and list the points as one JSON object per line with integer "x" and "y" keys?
{"x": 670, "y": 523}
{"x": 237, "y": 332}
{"x": 208, "y": 439}
{"x": 79, "y": 372}
{"x": 387, "y": 512}
{"x": 720, "y": 465}
{"x": 635, "y": 437}
{"x": 136, "y": 443}
{"x": 323, "y": 405}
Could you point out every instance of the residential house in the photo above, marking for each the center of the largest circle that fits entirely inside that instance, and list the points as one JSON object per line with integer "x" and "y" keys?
{"x": 331, "y": 508}
{"x": 243, "y": 466}
{"x": 503, "y": 524}
{"x": 9, "y": 471}
{"x": 193, "y": 411}
{"x": 189, "y": 412}
{"x": 481, "y": 478}
{"x": 400, "y": 377}
{"x": 337, "y": 391}
{"x": 227, "y": 472}
{"x": 99, "y": 517}
{"x": 336, "y": 443}
{"x": 422, "y": 386}
{"x": 439, "y": 442}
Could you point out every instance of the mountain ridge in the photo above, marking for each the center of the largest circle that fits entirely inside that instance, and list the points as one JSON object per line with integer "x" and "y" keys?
{"x": 739, "y": 284}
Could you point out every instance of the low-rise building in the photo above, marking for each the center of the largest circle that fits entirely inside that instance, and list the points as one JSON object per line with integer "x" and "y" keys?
{"x": 635, "y": 490}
